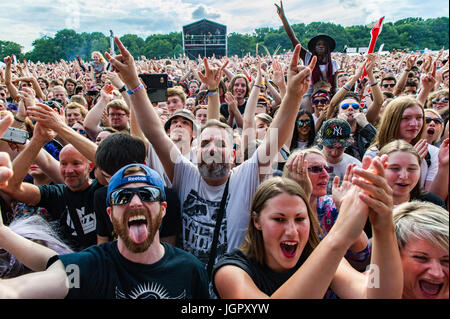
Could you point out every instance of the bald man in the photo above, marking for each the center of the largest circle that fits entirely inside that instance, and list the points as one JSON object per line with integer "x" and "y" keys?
{"x": 71, "y": 203}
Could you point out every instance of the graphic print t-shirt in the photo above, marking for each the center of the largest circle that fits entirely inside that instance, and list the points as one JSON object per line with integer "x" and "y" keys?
{"x": 102, "y": 272}
{"x": 200, "y": 205}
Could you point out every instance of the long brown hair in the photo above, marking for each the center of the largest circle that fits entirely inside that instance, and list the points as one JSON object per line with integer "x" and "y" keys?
{"x": 388, "y": 129}
{"x": 253, "y": 245}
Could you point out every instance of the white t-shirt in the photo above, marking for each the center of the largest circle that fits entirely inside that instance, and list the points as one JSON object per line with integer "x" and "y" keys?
{"x": 200, "y": 204}
{"x": 152, "y": 160}
{"x": 427, "y": 173}
{"x": 339, "y": 170}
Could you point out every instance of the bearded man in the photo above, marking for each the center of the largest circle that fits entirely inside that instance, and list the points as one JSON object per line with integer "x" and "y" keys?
{"x": 137, "y": 265}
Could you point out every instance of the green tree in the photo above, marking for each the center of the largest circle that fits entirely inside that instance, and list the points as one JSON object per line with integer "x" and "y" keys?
{"x": 7, "y": 48}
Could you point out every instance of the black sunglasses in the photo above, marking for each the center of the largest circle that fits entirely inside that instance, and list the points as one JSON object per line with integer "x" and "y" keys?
{"x": 442, "y": 99}
{"x": 436, "y": 120}
{"x": 301, "y": 123}
{"x": 123, "y": 196}
{"x": 317, "y": 169}
{"x": 389, "y": 85}
{"x": 321, "y": 101}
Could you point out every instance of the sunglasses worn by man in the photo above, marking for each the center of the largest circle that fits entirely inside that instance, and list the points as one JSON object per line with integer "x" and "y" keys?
{"x": 147, "y": 194}
{"x": 317, "y": 169}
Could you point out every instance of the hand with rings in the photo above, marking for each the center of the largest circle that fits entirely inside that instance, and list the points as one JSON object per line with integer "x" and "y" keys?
{"x": 298, "y": 171}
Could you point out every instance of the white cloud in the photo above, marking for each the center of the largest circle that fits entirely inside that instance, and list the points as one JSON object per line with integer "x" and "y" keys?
{"x": 30, "y": 19}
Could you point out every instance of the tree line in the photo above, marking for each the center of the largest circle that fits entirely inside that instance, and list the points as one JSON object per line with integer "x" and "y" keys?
{"x": 408, "y": 34}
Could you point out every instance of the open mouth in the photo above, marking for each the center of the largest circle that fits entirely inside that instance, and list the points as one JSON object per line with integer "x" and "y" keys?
{"x": 137, "y": 228}
{"x": 289, "y": 248}
{"x": 402, "y": 185}
{"x": 430, "y": 131}
{"x": 430, "y": 289}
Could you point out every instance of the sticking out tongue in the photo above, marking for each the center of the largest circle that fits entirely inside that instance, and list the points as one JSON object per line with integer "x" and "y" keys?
{"x": 138, "y": 232}
{"x": 429, "y": 288}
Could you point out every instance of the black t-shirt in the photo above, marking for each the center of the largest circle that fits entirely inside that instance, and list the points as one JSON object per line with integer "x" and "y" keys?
{"x": 224, "y": 109}
{"x": 104, "y": 273}
{"x": 266, "y": 279}
{"x": 430, "y": 197}
{"x": 170, "y": 226}
{"x": 64, "y": 205}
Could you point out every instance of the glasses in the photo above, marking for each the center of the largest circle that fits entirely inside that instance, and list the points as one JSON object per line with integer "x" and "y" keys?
{"x": 117, "y": 114}
{"x": 321, "y": 101}
{"x": 79, "y": 130}
{"x": 147, "y": 194}
{"x": 301, "y": 123}
{"x": 318, "y": 169}
{"x": 345, "y": 106}
{"x": 442, "y": 100}
{"x": 436, "y": 120}
{"x": 392, "y": 85}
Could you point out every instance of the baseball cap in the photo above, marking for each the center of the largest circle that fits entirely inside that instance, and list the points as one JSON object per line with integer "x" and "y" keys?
{"x": 184, "y": 113}
{"x": 335, "y": 133}
{"x": 151, "y": 177}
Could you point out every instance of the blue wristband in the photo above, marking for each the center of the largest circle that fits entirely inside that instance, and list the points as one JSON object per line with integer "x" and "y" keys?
{"x": 138, "y": 88}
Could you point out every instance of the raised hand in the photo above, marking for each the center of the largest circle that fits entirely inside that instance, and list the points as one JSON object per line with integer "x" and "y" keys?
{"x": 298, "y": 171}
{"x": 212, "y": 76}
{"x": 298, "y": 76}
{"x": 443, "y": 153}
{"x": 6, "y": 171}
{"x": 47, "y": 116}
{"x": 124, "y": 65}
{"x": 280, "y": 9}
{"x": 422, "y": 148}
{"x": 338, "y": 192}
{"x": 376, "y": 192}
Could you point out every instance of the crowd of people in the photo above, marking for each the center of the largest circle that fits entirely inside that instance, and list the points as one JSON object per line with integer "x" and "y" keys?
{"x": 300, "y": 175}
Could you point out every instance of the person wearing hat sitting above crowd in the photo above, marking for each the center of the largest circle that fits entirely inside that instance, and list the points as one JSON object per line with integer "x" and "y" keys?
{"x": 320, "y": 46}
{"x": 137, "y": 265}
{"x": 334, "y": 137}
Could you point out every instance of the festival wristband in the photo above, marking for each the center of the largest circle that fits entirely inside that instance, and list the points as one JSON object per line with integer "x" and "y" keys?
{"x": 347, "y": 87}
{"x": 123, "y": 88}
{"x": 138, "y": 88}
{"x": 213, "y": 92}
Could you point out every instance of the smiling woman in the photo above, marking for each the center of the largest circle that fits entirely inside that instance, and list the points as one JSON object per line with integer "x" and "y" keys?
{"x": 422, "y": 235}
{"x": 281, "y": 253}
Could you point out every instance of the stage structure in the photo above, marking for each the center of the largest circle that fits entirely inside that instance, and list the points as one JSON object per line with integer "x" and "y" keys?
{"x": 206, "y": 38}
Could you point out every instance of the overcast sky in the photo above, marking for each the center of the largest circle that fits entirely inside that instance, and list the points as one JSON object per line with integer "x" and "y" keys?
{"x": 28, "y": 20}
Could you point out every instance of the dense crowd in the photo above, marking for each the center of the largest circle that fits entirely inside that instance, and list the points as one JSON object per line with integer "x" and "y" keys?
{"x": 288, "y": 176}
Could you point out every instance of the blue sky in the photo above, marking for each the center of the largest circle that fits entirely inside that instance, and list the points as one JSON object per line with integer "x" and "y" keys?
{"x": 28, "y": 20}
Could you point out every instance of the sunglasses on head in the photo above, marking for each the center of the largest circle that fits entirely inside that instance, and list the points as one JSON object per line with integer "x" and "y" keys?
{"x": 346, "y": 106}
{"x": 301, "y": 123}
{"x": 436, "y": 120}
{"x": 321, "y": 101}
{"x": 442, "y": 100}
{"x": 317, "y": 169}
{"x": 147, "y": 194}
{"x": 392, "y": 85}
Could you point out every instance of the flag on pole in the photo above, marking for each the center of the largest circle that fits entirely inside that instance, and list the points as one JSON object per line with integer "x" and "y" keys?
{"x": 376, "y": 30}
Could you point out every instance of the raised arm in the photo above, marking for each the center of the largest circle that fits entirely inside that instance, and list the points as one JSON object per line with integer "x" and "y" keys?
{"x": 211, "y": 79}
{"x": 339, "y": 96}
{"x": 146, "y": 115}
{"x": 283, "y": 123}
{"x": 18, "y": 189}
{"x": 94, "y": 116}
{"x": 374, "y": 108}
{"x": 8, "y": 78}
{"x": 48, "y": 117}
{"x": 248, "y": 129}
{"x": 400, "y": 85}
{"x": 290, "y": 33}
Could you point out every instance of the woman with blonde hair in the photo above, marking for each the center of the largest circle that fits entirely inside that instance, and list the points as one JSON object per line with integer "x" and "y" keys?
{"x": 422, "y": 235}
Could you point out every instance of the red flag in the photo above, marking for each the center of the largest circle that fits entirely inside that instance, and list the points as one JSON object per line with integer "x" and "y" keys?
{"x": 376, "y": 30}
